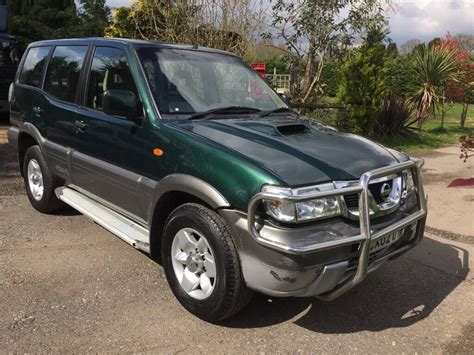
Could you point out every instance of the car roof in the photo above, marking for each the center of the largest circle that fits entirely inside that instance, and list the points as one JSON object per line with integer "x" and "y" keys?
{"x": 123, "y": 42}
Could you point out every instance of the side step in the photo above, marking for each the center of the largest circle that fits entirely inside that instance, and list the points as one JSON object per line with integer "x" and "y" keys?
{"x": 131, "y": 232}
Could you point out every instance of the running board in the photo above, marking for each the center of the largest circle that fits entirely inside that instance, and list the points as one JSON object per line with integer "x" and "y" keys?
{"x": 131, "y": 232}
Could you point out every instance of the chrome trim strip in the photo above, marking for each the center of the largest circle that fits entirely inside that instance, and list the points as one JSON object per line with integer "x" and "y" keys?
{"x": 365, "y": 237}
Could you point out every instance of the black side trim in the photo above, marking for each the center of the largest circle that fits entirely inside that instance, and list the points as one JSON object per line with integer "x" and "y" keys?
{"x": 13, "y": 135}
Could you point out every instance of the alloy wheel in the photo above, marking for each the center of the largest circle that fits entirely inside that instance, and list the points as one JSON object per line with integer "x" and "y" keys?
{"x": 193, "y": 263}
{"x": 35, "y": 179}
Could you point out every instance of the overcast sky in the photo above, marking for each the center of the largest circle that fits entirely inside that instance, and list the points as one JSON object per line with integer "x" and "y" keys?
{"x": 422, "y": 19}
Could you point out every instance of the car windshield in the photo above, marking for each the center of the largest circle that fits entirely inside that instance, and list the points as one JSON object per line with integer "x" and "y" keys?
{"x": 186, "y": 82}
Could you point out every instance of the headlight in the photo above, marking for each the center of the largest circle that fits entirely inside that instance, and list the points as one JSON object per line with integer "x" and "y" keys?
{"x": 313, "y": 209}
{"x": 301, "y": 211}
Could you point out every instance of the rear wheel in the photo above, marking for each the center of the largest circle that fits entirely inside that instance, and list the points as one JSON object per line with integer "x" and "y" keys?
{"x": 39, "y": 182}
{"x": 201, "y": 263}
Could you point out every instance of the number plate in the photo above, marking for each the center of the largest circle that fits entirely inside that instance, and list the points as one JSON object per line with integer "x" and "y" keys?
{"x": 385, "y": 241}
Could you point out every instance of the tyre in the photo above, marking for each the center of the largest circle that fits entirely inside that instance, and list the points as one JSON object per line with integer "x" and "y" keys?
{"x": 39, "y": 182}
{"x": 201, "y": 263}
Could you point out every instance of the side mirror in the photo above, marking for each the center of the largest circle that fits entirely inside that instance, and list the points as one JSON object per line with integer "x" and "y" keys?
{"x": 122, "y": 103}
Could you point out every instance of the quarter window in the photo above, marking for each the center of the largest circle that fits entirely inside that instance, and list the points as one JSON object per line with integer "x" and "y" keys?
{"x": 33, "y": 67}
{"x": 63, "y": 72}
{"x": 109, "y": 71}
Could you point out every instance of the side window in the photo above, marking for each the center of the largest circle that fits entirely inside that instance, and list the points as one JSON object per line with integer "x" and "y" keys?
{"x": 109, "y": 71}
{"x": 63, "y": 72}
{"x": 33, "y": 67}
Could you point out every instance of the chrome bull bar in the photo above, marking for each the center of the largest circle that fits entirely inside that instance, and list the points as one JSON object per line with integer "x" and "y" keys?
{"x": 366, "y": 235}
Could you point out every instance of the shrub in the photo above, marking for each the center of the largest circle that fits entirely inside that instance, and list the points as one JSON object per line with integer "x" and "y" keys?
{"x": 326, "y": 115}
{"x": 362, "y": 86}
{"x": 278, "y": 62}
{"x": 396, "y": 113}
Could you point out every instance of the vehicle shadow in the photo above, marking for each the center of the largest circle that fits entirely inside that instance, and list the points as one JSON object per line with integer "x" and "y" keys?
{"x": 4, "y": 118}
{"x": 8, "y": 158}
{"x": 400, "y": 293}
{"x": 66, "y": 211}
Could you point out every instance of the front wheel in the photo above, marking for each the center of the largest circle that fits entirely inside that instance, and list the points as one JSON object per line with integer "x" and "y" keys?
{"x": 201, "y": 263}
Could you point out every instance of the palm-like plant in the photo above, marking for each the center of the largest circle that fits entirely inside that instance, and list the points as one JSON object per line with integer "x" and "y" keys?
{"x": 433, "y": 66}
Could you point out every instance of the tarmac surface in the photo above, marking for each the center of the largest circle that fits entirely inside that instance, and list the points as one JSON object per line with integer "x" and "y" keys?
{"x": 450, "y": 208}
{"x": 68, "y": 285}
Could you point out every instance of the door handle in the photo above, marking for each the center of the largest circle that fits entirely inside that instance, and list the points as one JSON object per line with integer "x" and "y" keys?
{"x": 37, "y": 110}
{"x": 81, "y": 124}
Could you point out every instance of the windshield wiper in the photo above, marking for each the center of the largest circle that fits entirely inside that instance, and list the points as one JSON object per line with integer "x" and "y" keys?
{"x": 277, "y": 110}
{"x": 224, "y": 110}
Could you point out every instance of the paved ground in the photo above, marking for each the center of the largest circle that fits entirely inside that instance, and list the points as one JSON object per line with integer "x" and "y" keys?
{"x": 451, "y": 209}
{"x": 67, "y": 284}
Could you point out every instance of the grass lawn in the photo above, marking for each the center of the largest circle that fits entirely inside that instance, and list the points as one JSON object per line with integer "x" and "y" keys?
{"x": 433, "y": 136}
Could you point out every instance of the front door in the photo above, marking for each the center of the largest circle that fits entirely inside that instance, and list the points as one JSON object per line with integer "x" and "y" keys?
{"x": 115, "y": 153}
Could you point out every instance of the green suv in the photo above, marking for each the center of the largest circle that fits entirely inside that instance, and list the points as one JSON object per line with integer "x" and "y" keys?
{"x": 188, "y": 155}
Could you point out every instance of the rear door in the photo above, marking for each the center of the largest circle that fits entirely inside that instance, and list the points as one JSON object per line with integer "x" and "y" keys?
{"x": 28, "y": 86}
{"x": 56, "y": 105}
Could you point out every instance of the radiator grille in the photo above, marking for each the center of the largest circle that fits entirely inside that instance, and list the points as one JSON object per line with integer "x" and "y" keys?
{"x": 352, "y": 201}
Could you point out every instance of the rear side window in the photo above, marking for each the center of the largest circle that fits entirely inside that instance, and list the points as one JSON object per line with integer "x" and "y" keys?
{"x": 33, "y": 66}
{"x": 63, "y": 72}
{"x": 109, "y": 71}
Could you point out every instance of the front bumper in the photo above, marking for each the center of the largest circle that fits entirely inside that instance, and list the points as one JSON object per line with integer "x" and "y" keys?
{"x": 323, "y": 261}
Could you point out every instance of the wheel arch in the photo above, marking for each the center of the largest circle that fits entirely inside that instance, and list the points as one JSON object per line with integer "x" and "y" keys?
{"x": 28, "y": 136}
{"x": 25, "y": 141}
{"x": 174, "y": 191}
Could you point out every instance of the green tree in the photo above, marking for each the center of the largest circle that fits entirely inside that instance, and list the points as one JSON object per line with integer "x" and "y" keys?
{"x": 363, "y": 83}
{"x": 122, "y": 24}
{"x": 160, "y": 20}
{"x": 312, "y": 30}
{"x": 32, "y": 20}
{"x": 25, "y": 7}
{"x": 401, "y": 79}
{"x": 224, "y": 24}
{"x": 392, "y": 49}
{"x": 468, "y": 92}
{"x": 330, "y": 78}
{"x": 94, "y": 16}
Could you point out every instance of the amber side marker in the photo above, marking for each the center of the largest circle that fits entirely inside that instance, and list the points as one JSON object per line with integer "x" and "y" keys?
{"x": 158, "y": 152}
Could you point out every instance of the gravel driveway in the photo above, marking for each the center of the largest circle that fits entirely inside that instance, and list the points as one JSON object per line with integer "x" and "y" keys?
{"x": 66, "y": 285}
